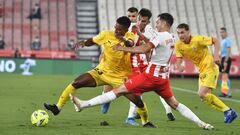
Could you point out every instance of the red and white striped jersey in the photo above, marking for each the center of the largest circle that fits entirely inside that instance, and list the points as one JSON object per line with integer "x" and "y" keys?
{"x": 163, "y": 47}
{"x": 140, "y": 60}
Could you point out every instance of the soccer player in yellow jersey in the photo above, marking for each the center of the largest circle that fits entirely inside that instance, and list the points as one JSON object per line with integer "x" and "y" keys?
{"x": 112, "y": 70}
{"x": 195, "y": 49}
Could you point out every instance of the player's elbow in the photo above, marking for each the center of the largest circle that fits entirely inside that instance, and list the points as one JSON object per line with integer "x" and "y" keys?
{"x": 215, "y": 40}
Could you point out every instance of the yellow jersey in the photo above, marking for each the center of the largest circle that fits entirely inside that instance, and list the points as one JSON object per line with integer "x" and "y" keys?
{"x": 114, "y": 63}
{"x": 197, "y": 51}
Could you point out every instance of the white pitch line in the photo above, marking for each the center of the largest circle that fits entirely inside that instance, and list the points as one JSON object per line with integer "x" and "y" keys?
{"x": 194, "y": 92}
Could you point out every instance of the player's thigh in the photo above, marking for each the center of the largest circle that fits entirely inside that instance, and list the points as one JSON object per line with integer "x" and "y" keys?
{"x": 113, "y": 81}
{"x": 209, "y": 78}
{"x": 84, "y": 80}
{"x": 97, "y": 76}
{"x": 138, "y": 84}
{"x": 163, "y": 88}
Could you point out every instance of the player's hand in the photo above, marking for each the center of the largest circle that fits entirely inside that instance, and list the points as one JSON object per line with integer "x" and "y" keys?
{"x": 79, "y": 44}
{"x": 224, "y": 66}
{"x": 117, "y": 47}
{"x": 217, "y": 59}
{"x": 135, "y": 29}
{"x": 180, "y": 68}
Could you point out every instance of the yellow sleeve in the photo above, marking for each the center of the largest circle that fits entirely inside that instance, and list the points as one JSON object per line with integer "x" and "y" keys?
{"x": 177, "y": 49}
{"x": 129, "y": 36}
{"x": 100, "y": 38}
{"x": 205, "y": 40}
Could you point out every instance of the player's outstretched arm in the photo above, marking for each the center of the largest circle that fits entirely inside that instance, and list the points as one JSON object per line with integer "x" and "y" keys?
{"x": 138, "y": 49}
{"x": 82, "y": 43}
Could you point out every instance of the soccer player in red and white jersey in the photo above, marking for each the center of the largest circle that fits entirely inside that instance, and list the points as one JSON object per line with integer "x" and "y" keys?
{"x": 139, "y": 61}
{"x": 154, "y": 78}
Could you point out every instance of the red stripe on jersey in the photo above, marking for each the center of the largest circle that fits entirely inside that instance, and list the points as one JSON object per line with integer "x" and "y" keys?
{"x": 136, "y": 59}
{"x": 152, "y": 69}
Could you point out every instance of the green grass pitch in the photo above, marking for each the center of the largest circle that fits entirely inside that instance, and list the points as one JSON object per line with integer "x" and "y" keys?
{"x": 21, "y": 95}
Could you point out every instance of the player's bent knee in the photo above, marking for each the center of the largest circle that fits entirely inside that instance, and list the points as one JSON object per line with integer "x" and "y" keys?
{"x": 172, "y": 102}
{"x": 76, "y": 84}
{"x": 201, "y": 94}
{"x": 120, "y": 90}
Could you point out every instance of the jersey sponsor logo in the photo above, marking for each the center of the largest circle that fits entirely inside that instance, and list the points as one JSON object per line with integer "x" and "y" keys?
{"x": 181, "y": 51}
{"x": 194, "y": 49}
{"x": 100, "y": 72}
{"x": 203, "y": 76}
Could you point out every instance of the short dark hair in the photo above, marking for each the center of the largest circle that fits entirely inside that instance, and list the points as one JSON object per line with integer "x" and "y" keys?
{"x": 183, "y": 25}
{"x": 223, "y": 28}
{"x": 124, "y": 21}
{"x": 132, "y": 9}
{"x": 166, "y": 17}
{"x": 145, "y": 12}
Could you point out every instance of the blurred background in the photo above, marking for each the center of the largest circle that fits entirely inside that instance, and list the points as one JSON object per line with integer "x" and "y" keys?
{"x": 46, "y": 30}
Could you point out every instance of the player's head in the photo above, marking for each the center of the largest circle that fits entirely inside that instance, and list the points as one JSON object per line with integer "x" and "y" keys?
{"x": 223, "y": 32}
{"x": 122, "y": 25}
{"x": 144, "y": 17}
{"x": 132, "y": 14}
{"x": 183, "y": 32}
{"x": 164, "y": 22}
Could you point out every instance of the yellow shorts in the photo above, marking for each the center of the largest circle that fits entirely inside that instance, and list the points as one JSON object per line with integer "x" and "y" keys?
{"x": 106, "y": 79}
{"x": 209, "y": 78}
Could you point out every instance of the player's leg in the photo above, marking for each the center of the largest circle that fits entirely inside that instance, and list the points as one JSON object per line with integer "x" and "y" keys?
{"x": 164, "y": 90}
{"x": 141, "y": 109}
{"x": 212, "y": 100}
{"x": 112, "y": 95}
{"x": 187, "y": 113}
{"x": 207, "y": 82}
{"x": 225, "y": 81}
{"x": 84, "y": 80}
{"x": 168, "y": 109}
{"x": 229, "y": 63}
{"x": 105, "y": 107}
{"x": 132, "y": 114}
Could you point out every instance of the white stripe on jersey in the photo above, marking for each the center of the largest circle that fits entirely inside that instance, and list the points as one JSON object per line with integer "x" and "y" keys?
{"x": 161, "y": 54}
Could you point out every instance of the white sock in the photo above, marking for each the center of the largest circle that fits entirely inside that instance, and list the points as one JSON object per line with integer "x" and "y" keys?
{"x": 187, "y": 113}
{"x": 131, "y": 112}
{"x": 101, "y": 99}
{"x": 166, "y": 106}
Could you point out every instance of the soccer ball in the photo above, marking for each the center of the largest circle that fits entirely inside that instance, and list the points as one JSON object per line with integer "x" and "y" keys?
{"x": 39, "y": 118}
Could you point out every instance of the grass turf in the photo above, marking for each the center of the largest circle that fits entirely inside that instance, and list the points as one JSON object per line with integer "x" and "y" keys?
{"x": 21, "y": 95}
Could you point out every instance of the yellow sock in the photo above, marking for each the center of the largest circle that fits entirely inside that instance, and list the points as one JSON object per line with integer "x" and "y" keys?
{"x": 65, "y": 95}
{"x": 143, "y": 112}
{"x": 215, "y": 102}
